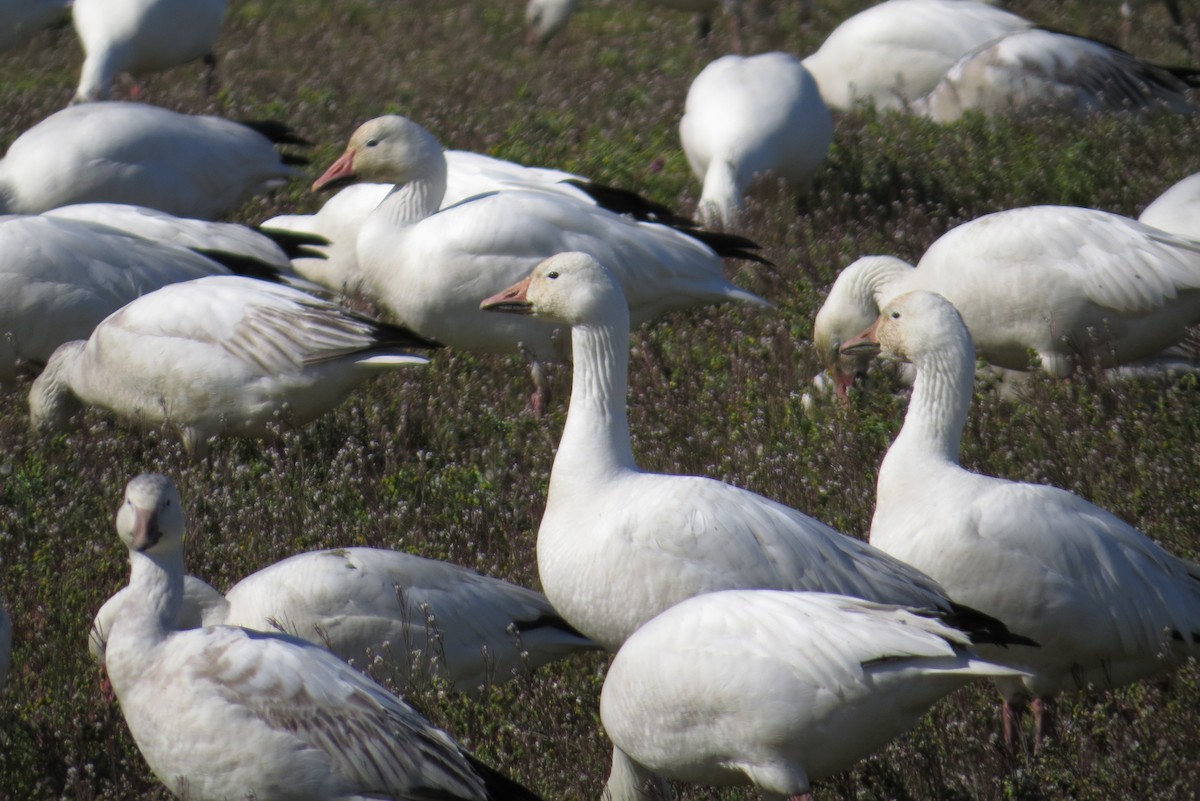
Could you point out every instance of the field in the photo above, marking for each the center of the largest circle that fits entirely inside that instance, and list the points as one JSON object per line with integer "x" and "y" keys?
{"x": 445, "y": 461}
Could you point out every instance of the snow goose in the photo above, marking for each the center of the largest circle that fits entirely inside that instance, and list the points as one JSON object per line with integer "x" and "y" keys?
{"x": 617, "y": 545}
{"x": 1106, "y": 604}
{"x": 387, "y": 609}
{"x": 748, "y": 117}
{"x": 1177, "y": 210}
{"x": 430, "y": 270}
{"x": 190, "y": 166}
{"x": 60, "y": 277}
{"x": 143, "y": 36}
{"x": 219, "y": 354}
{"x": 773, "y": 689}
{"x": 21, "y": 19}
{"x": 545, "y": 19}
{"x": 224, "y": 712}
{"x": 1065, "y": 282}
{"x": 1053, "y": 71}
{"x": 897, "y": 51}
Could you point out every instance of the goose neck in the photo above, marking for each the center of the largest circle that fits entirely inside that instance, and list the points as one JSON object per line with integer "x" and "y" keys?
{"x": 879, "y": 279}
{"x": 940, "y": 400}
{"x": 418, "y": 197}
{"x": 147, "y": 616}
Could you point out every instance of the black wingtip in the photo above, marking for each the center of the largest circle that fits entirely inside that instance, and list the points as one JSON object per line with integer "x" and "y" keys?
{"x": 499, "y": 787}
{"x": 389, "y": 336}
{"x": 625, "y": 201}
{"x": 295, "y": 244}
{"x": 279, "y": 133}
{"x": 983, "y": 629}
{"x": 240, "y": 264}
{"x": 549, "y": 621}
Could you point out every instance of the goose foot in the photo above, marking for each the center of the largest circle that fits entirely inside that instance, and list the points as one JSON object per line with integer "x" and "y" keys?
{"x": 1043, "y": 720}
{"x": 1013, "y": 711}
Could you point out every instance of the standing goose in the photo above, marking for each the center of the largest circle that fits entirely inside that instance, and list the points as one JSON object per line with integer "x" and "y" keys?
{"x": 219, "y": 354}
{"x": 189, "y": 166}
{"x": 618, "y": 545}
{"x": 773, "y": 689}
{"x": 430, "y": 270}
{"x": 223, "y": 712}
{"x": 1107, "y": 605}
{"x": 386, "y": 609}
{"x": 746, "y": 118}
{"x": 1067, "y": 283}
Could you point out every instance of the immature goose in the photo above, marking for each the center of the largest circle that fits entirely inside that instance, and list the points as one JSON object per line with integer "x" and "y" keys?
{"x": 219, "y": 354}
{"x": 1047, "y": 70}
{"x": 618, "y": 545}
{"x": 746, "y": 118}
{"x": 1177, "y": 210}
{"x": 387, "y": 609}
{"x": 773, "y": 689}
{"x": 189, "y": 166}
{"x": 143, "y": 36}
{"x": 222, "y": 712}
{"x": 1067, "y": 283}
{"x": 60, "y": 277}
{"x": 1107, "y": 604}
{"x": 21, "y": 19}
{"x": 897, "y": 51}
{"x": 430, "y": 270}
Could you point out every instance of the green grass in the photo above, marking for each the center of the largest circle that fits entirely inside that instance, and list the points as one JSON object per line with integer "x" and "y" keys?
{"x": 444, "y": 462}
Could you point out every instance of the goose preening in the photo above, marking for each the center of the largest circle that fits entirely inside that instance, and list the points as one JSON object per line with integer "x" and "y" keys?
{"x": 545, "y": 19}
{"x": 1046, "y": 70}
{"x": 224, "y": 712}
{"x": 897, "y": 51}
{"x": 1107, "y": 604}
{"x": 1177, "y": 209}
{"x": 773, "y": 689}
{"x": 21, "y": 19}
{"x": 746, "y": 118}
{"x": 111, "y": 152}
{"x": 60, "y": 277}
{"x": 143, "y": 36}
{"x": 430, "y": 270}
{"x": 1070, "y": 284}
{"x": 418, "y": 618}
{"x": 618, "y": 545}
{"x": 220, "y": 354}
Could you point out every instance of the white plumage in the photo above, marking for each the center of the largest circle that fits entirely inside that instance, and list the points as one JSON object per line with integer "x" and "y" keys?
{"x": 545, "y": 19}
{"x": 1177, "y": 209}
{"x": 746, "y": 118}
{"x": 190, "y": 166}
{"x": 1065, "y": 282}
{"x": 222, "y": 712}
{"x": 219, "y": 354}
{"x": 410, "y": 617}
{"x": 773, "y": 689}
{"x": 1106, "y": 604}
{"x": 141, "y": 36}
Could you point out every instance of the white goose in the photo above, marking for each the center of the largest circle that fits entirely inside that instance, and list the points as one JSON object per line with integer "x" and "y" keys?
{"x": 773, "y": 689}
{"x": 21, "y": 19}
{"x": 220, "y": 354}
{"x": 143, "y": 36}
{"x": 545, "y": 19}
{"x": 749, "y": 117}
{"x": 60, "y": 277}
{"x": 618, "y": 545}
{"x": 897, "y": 51}
{"x": 1177, "y": 209}
{"x": 1106, "y": 604}
{"x": 430, "y": 270}
{"x": 1057, "y": 71}
{"x": 190, "y": 166}
{"x": 1061, "y": 281}
{"x": 223, "y": 712}
{"x": 419, "y": 617}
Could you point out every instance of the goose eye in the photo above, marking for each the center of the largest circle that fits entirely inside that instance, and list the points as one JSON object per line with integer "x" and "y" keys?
{"x": 895, "y": 315}
{"x": 372, "y": 142}
{"x": 552, "y": 274}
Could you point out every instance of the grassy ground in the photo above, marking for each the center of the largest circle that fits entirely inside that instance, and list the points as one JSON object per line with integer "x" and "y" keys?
{"x": 443, "y": 461}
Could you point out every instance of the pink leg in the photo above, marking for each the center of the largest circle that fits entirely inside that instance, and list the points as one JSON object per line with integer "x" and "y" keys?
{"x": 1043, "y": 719}
{"x": 1013, "y": 711}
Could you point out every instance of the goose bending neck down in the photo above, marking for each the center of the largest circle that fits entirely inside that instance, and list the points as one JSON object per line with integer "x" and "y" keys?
{"x": 1107, "y": 604}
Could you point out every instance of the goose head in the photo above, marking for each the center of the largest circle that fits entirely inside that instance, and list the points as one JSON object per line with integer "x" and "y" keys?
{"x": 567, "y": 288}
{"x": 52, "y": 404}
{"x": 391, "y": 149}
{"x": 545, "y": 18}
{"x": 910, "y": 327}
{"x": 151, "y": 519}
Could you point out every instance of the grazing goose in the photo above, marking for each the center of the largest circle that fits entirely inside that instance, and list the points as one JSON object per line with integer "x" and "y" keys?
{"x": 143, "y": 36}
{"x": 222, "y": 712}
{"x": 618, "y": 545}
{"x": 430, "y": 270}
{"x": 749, "y": 117}
{"x": 773, "y": 689}
{"x": 219, "y": 354}
{"x": 897, "y": 51}
{"x": 1047, "y": 70}
{"x": 1106, "y": 604}
{"x": 372, "y": 607}
{"x": 21, "y": 19}
{"x": 5, "y": 643}
{"x": 544, "y": 19}
{"x": 60, "y": 277}
{"x": 189, "y": 166}
{"x": 1177, "y": 210}
{"x": 1066, "y": 283}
